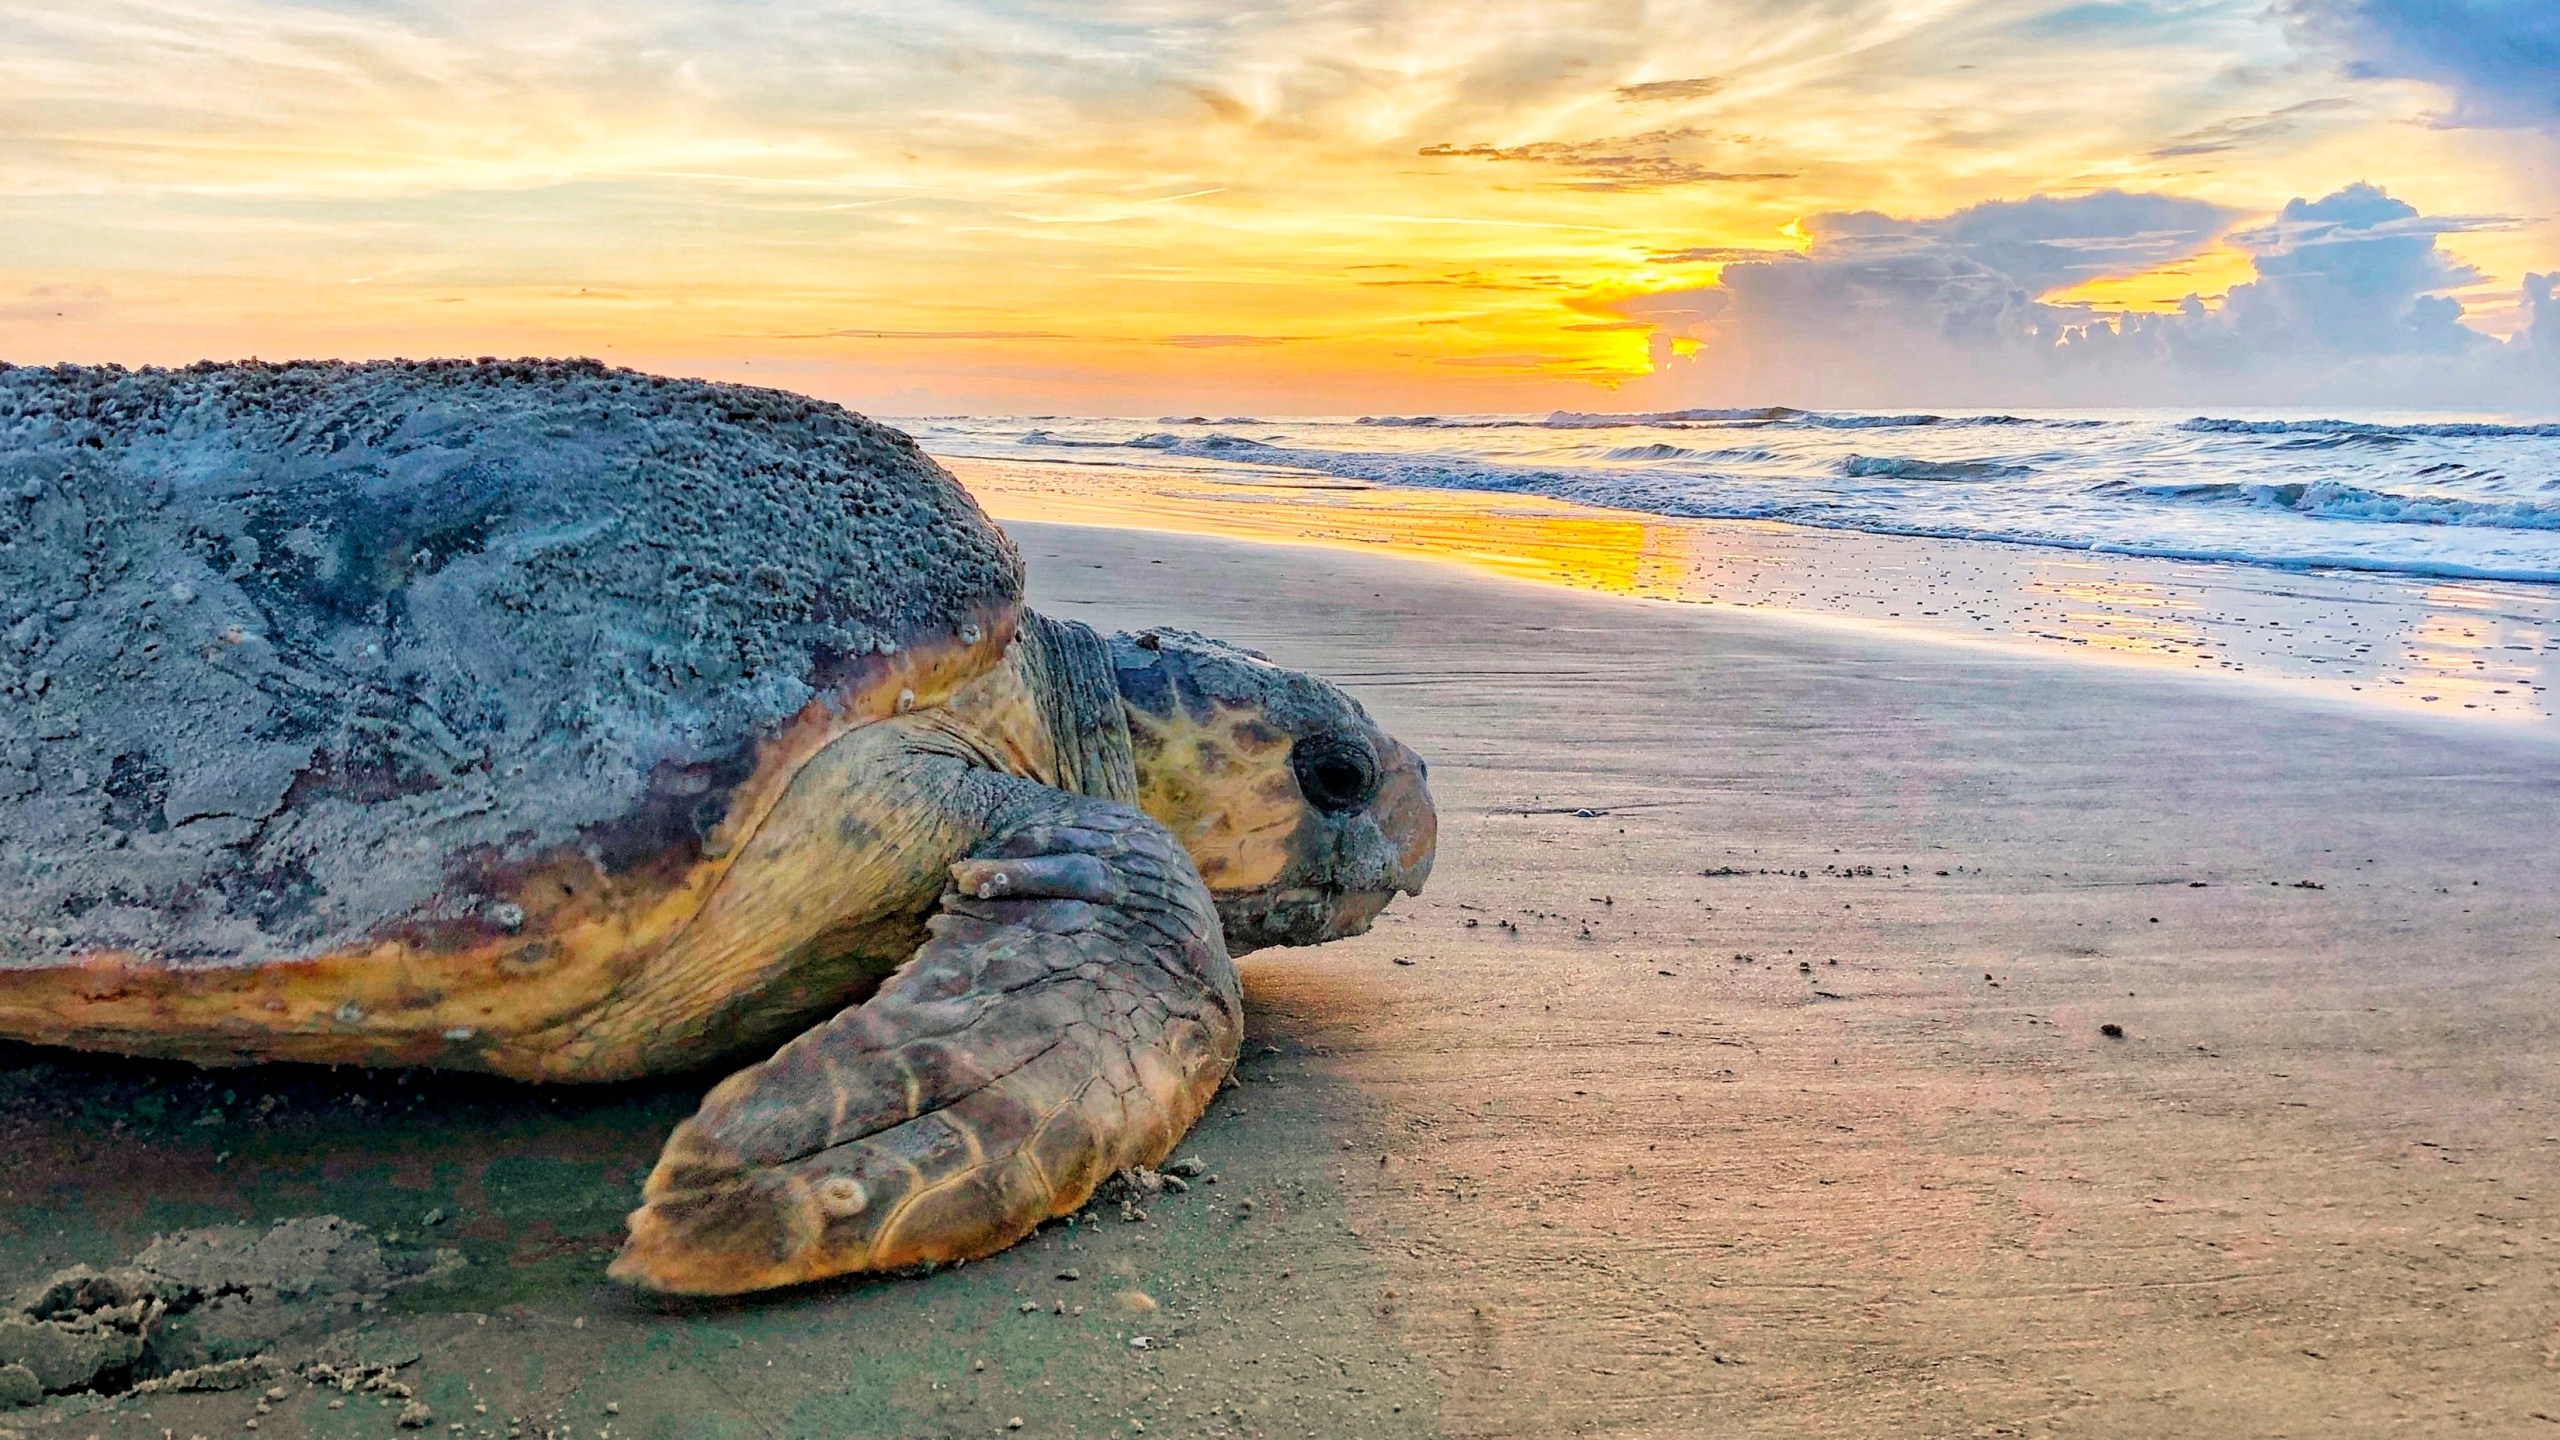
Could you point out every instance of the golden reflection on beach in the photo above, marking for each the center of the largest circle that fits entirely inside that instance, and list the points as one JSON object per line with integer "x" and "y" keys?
{"x": 1524, "y": 537}
{"x": 2470, "y": 652}
{"x": 2125, "y": 617}
{"x": 2476, "y": 650}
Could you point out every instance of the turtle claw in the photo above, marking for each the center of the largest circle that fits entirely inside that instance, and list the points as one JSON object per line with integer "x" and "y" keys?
{"x": 1071, "y": 1016}
{"x": 1052, "y": 877}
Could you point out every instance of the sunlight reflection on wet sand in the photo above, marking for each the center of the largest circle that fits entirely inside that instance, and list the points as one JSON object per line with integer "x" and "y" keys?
{"x": 2476, "y": 649}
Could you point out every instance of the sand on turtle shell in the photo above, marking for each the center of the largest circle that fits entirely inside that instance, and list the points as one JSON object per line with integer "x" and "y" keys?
{"x": 279, "y": 642}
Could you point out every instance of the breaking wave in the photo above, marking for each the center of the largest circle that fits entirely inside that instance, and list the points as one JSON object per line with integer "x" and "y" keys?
{"x": 2473, "y": 498}
{"x": 1444, "y": 422}
{"x": 1742, "y": 455}
{"x": 2454, "y": 430}
{"x": 1686, "y": 419}
{"x": 1783, "y": 415}
{"x": 2330, "y": 500}
{"x": 1895, "y": 467}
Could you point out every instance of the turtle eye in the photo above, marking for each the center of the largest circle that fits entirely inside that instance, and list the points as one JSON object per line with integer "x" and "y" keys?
{"x": 1336, "y": 774}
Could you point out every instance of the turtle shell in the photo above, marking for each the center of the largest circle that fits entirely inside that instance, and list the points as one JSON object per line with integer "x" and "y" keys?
{"x": 297, "y": 657}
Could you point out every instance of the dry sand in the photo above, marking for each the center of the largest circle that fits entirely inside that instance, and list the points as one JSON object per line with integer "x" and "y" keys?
{"x": 1747, "y": 1078}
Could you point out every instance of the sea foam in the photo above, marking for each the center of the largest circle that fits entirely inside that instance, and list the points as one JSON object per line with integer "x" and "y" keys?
{"x": 2469, "y": 498}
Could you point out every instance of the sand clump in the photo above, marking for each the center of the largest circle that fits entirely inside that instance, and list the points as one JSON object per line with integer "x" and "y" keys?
{"x": 198, "y": 1309}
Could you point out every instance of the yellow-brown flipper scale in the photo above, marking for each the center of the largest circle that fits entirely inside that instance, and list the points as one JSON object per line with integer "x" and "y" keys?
{"x": 1073, "y": 1013}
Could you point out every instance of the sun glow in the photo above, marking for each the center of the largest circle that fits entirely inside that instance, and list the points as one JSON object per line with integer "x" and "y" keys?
{"x": 985, "y": 207}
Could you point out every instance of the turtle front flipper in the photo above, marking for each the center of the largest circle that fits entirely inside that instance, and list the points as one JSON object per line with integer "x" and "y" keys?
{"x": 1071, "y": 1015}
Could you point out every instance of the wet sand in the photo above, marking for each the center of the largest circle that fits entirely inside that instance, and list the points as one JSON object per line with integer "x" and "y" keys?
{"x": 1245, "y": 1307}
{"x": 1745, "y": 1076}
{"x": 2467, "y": 649}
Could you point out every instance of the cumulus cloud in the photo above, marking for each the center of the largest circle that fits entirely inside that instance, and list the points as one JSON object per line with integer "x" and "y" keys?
{"x": 2349, "y": 302}
{"x": 2356, "y": 272}
{"x": 2039, "y": 244}
{"x": 1872, "y": 286}
{"x": 2542, "y": 310}
{"x": 2499, "y": 58}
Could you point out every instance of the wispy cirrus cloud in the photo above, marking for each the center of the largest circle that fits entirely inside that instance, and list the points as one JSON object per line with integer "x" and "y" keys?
{"x": 1650, "y": 161}
{"x": 1718, "y": 254}
{"x": 1647, "y": 91}
{"x": 930, "y": 335}
{"x": 2242, "y": 131}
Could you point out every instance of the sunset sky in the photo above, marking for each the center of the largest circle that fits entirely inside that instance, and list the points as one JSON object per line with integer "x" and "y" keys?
{"x": 1341, "y": 207}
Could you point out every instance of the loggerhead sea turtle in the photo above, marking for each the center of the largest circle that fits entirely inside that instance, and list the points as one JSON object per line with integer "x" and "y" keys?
{"x": 574, "y": 724}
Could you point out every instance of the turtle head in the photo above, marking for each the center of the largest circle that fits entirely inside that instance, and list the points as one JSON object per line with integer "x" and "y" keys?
{"x": 1304, "y": 817}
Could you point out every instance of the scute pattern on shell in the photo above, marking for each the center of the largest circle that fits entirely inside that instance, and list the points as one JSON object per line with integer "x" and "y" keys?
{"x": 277, "y": 641}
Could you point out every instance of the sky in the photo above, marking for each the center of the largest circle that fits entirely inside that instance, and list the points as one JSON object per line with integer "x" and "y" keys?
{"x": 1326, "y": 207}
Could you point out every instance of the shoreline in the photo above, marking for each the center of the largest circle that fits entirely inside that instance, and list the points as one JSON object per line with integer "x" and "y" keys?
{"x": 2470, "y": 650}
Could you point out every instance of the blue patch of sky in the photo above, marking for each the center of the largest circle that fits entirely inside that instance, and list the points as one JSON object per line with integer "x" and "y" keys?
{"x": 2500, "y": 58}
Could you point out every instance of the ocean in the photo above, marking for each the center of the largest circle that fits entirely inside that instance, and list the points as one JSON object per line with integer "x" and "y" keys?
{"x": 2475, "y": 498}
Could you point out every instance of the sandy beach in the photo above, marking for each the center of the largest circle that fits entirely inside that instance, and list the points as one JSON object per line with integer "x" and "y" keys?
{"x": 1978, "y": 583}
{"x": 1960, "y": 603}
{"x": 1745, "y": 1071}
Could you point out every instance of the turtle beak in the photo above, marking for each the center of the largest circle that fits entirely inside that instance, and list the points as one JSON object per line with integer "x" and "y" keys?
{"x": 1387, "y": 850}
{"x": 1346, "y": 870}
{"x": 1407, "y": 822}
